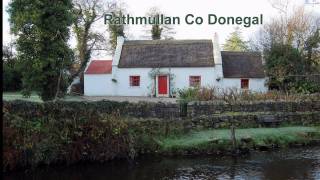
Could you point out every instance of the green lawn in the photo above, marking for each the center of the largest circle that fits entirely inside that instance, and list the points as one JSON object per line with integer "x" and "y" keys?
{"x": 10, "y": 96}
{"x": 260, "y": 136}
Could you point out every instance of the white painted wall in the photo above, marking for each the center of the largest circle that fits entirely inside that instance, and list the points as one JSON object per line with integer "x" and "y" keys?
{"x": 102, "y": 85}
{"x": 255, "y": 84}
{"x": 180, "y": 80}
{"x": 97, "y": 84}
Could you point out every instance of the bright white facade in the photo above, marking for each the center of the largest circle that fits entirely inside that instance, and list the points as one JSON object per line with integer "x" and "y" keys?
{"x": 124, "y": 81}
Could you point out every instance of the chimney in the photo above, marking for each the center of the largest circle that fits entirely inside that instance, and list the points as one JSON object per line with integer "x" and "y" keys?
{"x": 116, "y": 57}
{"x": 216, "y": 50}
{"x": 117, "y": 53}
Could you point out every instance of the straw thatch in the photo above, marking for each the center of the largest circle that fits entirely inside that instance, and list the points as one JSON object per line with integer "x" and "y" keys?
{"x": 242, "y": 65}
{"x": 166, "y": 53}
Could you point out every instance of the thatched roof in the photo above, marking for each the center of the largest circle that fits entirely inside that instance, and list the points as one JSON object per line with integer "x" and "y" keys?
{"x": 242, "y": 65}
{"x": 166, "y": 53}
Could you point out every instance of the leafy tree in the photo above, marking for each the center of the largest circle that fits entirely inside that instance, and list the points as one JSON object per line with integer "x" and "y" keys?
{"x": 115, "y": 30}
{"x": 235, "y": 42}
{"x": 296, "y": 34}
{"x": 42, "y": 28}
{"x": 312, "y": 52}
{"x": 283, "y": 61}
{"x": 11, "y": 71}
{"x": 156, "y": 32}
{"x": 159, "y": 31}
{"x": 85, "y": 14}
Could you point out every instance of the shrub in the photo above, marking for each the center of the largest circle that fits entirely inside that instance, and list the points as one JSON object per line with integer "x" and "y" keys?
{"x": 233, "y": 95}
{"x": 47, "y": 140}
{"x": 305, "y": 87}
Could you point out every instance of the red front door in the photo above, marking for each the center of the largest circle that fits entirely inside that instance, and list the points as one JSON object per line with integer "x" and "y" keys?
{"x": 162, "y": 85}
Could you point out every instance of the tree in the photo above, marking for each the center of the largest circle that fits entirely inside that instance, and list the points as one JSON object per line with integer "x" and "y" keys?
{"x": 117, "y": 9}
{"x": 235, "y": 42}
{"x": 159, "y": 31}
{"x": 283, "y": 61}
{"x": 312, "y": 52}
{"x": 290, "y": 43}
{"x": 42, "y": 28}
{"x": 11, "y": 71}
{"x": 156, "y": 32}
{"x": 85, "y": 14}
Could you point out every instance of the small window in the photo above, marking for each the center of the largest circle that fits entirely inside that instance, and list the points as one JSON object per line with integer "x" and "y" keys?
{"x": 244, "y": 83}
{"x": 134, "y": 80}
{"x": 194, "y": 81}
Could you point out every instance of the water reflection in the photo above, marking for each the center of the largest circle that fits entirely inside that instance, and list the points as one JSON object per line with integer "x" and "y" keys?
{"x": 302, "y": 163}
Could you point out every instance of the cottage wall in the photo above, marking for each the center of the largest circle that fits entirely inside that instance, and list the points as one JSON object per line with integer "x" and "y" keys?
{"x": 102, "y": 84}
{"x": 255, "y": 84}
{"x": 147, "y": 84}
{"x": 97, "y": 84}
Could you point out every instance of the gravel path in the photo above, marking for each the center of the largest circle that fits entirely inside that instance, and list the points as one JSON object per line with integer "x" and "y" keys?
{"x": 133, "y": 99}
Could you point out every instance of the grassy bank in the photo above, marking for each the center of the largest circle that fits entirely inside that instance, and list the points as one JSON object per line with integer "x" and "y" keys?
{"x": 11, "y": 96}
{"x": 211, "y": 141}
{"x": 70, "y": 132}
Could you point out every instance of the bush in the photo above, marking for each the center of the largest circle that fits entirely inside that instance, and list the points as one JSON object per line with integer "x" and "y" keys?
{"x": 46, "y": 140}
{"x": 305, "y": 87}
{"x": 11, "y": 77}
{"x": 233, "y": 95}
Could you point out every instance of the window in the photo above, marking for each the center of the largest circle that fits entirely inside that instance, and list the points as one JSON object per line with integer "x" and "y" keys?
{"x": 134, "y": 80}
{"x": 244, "y": 83}
{"x": 194, "y": 81}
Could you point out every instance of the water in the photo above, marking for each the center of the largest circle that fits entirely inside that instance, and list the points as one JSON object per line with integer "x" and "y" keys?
{"x": 300, "y": 163}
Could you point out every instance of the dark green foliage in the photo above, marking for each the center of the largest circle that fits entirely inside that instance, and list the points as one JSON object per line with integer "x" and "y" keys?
{"x": 305, "y": 87}
{"x": 11, "y": 70}
{"x": 281, "y": 62}
{"x": 42, "y": 30}
{"x": 115, "y": 30}
{"x": 11, "y": 77}
{"x": 156, "y": 32}
{"x": 312, "y": 55}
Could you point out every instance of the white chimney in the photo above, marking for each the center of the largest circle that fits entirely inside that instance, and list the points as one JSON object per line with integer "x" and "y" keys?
{"x": 216, "y": 50}
{"x": 117, "y": 53}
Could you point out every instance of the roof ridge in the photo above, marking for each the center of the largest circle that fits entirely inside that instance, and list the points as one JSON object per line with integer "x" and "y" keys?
{"x": 166, "y": 41}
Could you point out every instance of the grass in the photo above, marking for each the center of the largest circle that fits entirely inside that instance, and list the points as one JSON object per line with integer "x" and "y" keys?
{"x": 260, "y": 136}
{"x": 11, "y": 96}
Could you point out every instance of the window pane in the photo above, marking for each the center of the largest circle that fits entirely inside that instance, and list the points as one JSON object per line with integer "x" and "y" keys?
{"x": 134, "y": 80}
{"x": 194, "y": 81}
{"x": 244, "y": 83}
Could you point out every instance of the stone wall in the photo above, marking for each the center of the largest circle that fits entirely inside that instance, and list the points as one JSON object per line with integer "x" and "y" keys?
{"x": 253, "y": 114}
{"x": 192, "y": 115}
{"x": 195, "y": 109}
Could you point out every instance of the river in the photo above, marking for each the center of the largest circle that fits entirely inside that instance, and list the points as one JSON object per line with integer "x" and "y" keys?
{"x": 297, "y": 163}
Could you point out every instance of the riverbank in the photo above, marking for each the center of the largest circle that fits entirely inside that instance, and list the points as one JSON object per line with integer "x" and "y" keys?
{"x": 71, "y": 132}
{"x": 216, "y": 141}
{"x": 293, "y": 163}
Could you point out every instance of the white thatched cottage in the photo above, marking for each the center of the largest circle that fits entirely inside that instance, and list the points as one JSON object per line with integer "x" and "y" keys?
{"x": 160, "y": 67}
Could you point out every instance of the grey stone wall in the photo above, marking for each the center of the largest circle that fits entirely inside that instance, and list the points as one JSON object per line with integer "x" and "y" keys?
{"x": 191, "y": 115}
{"x": 195, "y": 109}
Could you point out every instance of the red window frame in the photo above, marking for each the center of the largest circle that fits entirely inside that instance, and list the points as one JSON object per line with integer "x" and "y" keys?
{"x": 194, "y": 81}
{"x": 244, "y": 83}
{"x": 134, "y": 80}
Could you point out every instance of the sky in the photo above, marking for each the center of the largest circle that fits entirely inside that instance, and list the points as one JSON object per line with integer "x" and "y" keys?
{"x": 198, "y": 8}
